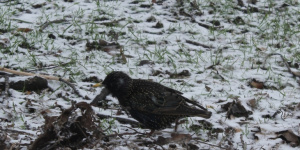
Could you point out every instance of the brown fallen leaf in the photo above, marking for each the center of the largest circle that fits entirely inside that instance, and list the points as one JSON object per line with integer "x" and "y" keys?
{"x": 289, "y": 137}
{"x": 124, "y": 61}
{"x": 252, "y": 103}
{"x": 298, "y": 106}
{"x": 26, "y": 30}
{"x": 208, "y": 89}
{"x": 256, "y": 84}
{"x": 261, "y": 48}
{"x": 296, "y": 73}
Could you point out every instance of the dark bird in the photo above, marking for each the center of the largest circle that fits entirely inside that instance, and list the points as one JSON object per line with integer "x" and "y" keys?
{"x": 152, "y": 104}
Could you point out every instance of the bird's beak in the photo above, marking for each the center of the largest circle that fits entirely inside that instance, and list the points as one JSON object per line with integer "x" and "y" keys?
{"x": 97, "y": 85}
{"x": 205, "y": 114}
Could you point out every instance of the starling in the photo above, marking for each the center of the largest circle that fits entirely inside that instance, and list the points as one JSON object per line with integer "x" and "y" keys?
{"x": 152, "y": 104}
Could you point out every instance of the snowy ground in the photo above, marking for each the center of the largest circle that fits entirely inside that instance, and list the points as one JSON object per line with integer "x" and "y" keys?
{"x": 222, "y": 44}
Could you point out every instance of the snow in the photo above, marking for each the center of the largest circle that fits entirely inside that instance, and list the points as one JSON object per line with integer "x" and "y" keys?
{"x": 237, "y": 52}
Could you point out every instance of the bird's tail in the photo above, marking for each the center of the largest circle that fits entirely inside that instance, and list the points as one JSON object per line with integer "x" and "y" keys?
{"x": 192, "y": 111}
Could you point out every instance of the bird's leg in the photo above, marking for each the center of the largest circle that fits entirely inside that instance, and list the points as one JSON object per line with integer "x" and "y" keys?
{"x": 151, "y": 132}
{"x": 177, "y": 122}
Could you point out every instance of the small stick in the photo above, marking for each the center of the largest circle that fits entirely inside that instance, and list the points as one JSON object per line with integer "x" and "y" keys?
{"x": 206, "y": 26}
{"x": 198, "y": 44}
{"x": 271, "y": 54}
{"x": 295, "y": 74}
{"x": 112, "y": 22}
{"x": 135, "y": 131}
{"x": 213, "y": 65}
{"x": 46, "y": 24}
{"x": 7, "y": 93}
{"x": 123, "y": 56}
{"x": 118, "y": 134}
{"x": 72, "y": 86}
{"x": 29, "y": 74}
{"x": 208, "y": 143}
{"x": 122, "y": 120}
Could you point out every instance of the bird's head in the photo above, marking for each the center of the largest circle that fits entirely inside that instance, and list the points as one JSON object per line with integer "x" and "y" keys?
{"x": 118, "y": 83}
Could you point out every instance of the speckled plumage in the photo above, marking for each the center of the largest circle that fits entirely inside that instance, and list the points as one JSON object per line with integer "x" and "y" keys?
{"x": 152, "y": 104}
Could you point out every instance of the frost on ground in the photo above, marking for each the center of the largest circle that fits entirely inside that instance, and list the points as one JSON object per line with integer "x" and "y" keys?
{"x": 212, "y": 51}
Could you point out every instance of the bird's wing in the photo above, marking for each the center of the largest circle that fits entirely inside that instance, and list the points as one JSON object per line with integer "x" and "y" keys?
{"x": 185, "y": 99}
{"x": 151, "y": 97}
{"x": 167, "y": 103}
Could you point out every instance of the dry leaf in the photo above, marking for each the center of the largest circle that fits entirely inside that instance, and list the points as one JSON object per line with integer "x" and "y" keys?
{"x": 256, "y": 84}
{"x": 296, "y": 73}
{"x": 262, "y": 48}
{"x": 208, "y": 89}
{"x": 298, "y": 106}
{"x": 26, "y": 30}
{"x": 237, "y": 130}
{"x": 252, "y": 103}
{"x": 289, "y": 137}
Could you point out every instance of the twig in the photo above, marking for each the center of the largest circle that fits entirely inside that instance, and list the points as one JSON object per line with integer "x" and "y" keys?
{"x": 206, "y": 26}
{"x": 122, "y": 120}
{"x": 82, "y": 132}
{"x": 49, "y": 67}
{"x": 135, "y": 130}
{"x": 7, "y": 93}
{"x": 243, "y": 142}
{"x": 123, "y": 56}
{"x": 112, "y": 22}
{"x": 198, "y": 44}
{"x": 213, "y": 65}
{"x": 5, "y": 1}
{"x": 217, "y": 73}
{"x": 16, "y": 131}
{"x": 198, "y": 140}
{"x": 296, "y": 74}
{"x": 29, "y": 74}
{"x": 46, "y": 24}
{"x": 127, "y": 133}
{"x": 276, "y": 113}
{"x": 271, "y": 54}
{"x": 72, "y": 86}
{"x": 118, "y": 134}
